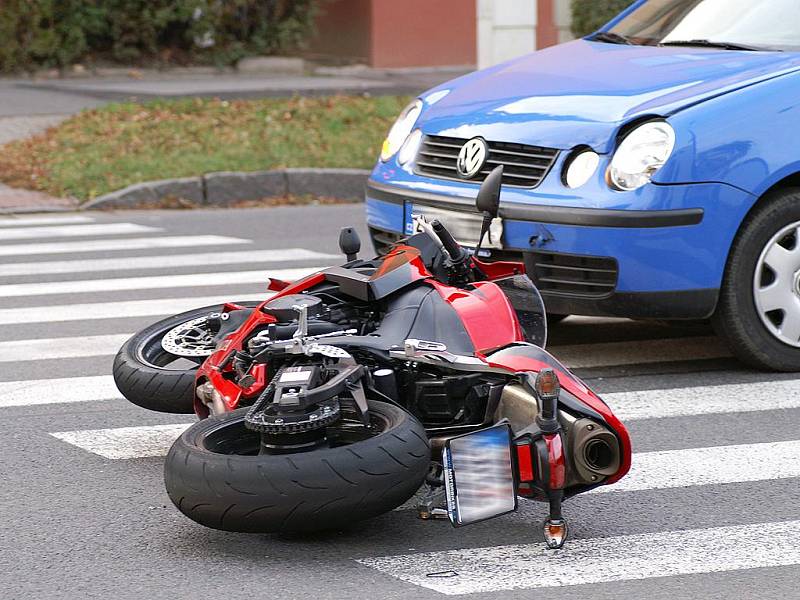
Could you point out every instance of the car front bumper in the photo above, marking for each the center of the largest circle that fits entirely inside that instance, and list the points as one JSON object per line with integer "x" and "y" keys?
{"x": 647, "y": 259}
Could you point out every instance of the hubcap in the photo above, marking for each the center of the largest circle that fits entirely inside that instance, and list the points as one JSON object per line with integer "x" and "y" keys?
{"x": 776, "y": 285}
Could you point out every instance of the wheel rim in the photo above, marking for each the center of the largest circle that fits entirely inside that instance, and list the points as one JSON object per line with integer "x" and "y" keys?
{"x": 183, "y": 351}
{"x": 776, "y": 285}
{"x": 233, "y": 438}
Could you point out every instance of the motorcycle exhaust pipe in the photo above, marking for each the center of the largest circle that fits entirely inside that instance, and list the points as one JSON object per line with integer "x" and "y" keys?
{"x": 598, "y": 454}
{"x": 595, "y": 451}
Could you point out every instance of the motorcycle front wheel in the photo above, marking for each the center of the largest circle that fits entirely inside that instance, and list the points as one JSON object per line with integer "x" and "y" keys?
{"x": 215, "y": 475}
{"x": 159, "y": 376}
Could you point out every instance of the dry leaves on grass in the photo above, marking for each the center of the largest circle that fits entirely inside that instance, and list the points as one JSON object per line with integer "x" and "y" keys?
{"x": 106, "y": 149}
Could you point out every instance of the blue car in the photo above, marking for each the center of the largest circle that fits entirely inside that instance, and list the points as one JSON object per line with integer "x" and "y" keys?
{"x": 652, "y": 169}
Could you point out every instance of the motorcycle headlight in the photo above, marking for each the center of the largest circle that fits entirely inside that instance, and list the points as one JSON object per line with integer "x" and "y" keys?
{"x": 640, "y": 155}
{"x": 400, "y": 130}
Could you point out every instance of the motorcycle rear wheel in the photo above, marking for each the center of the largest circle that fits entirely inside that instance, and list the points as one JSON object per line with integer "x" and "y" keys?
{"x": 215, "y": 476}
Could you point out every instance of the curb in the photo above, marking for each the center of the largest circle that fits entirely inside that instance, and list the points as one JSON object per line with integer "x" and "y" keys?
{"x": 230, "y": 187}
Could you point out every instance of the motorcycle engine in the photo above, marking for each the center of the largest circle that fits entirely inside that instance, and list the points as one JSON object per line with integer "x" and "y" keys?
{"x": 285, "y": 310}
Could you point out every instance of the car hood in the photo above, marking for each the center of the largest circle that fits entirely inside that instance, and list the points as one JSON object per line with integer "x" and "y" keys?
{"x": 581, "y": 92}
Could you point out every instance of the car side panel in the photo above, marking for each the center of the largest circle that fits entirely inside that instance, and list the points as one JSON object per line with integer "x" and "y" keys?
{"x": 746, "y": 139}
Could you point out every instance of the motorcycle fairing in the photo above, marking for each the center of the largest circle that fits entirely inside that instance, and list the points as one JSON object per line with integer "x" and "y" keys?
{"x": 478, "y": 309}
{"x": 528, "y": 358}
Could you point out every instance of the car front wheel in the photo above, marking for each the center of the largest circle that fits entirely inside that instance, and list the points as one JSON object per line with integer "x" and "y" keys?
{"x": 759, "y": 307}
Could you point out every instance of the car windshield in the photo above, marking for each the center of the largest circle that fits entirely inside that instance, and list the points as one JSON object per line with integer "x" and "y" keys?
{"x": 725, "y": 24}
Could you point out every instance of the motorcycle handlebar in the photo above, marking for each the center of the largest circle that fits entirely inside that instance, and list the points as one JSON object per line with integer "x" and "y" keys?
{"x": 453, "y": 248}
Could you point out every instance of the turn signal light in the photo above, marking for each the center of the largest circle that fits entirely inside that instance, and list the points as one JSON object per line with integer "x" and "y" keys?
{"x": 547, "y": 385}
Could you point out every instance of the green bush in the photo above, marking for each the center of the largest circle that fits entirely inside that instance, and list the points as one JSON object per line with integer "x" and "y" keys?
{"x": 590, "y": 15}
{"x": 58, "y": 33}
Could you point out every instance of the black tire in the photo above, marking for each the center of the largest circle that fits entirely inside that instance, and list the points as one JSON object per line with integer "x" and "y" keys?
{"x": 154, "y": 387}
{"x": 736, "y": 319}
{"x": 326, "y": 488}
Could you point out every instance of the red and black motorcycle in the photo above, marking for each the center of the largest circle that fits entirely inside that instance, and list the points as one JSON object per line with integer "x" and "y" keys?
{"x": 345, "y": 392}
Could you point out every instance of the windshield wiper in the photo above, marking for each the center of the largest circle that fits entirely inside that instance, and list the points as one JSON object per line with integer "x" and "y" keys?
{"x": 611, "y": 38}
{"x": 710, "y": 44}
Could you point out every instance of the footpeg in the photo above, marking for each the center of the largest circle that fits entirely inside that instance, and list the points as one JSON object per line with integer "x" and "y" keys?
{"x": 432, "y": 513}
{"x": 432, "y": 503}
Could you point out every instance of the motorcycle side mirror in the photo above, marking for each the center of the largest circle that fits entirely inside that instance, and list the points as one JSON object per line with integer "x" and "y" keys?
{"x": 488, "y": 201}
{"x": 349, "y": 243}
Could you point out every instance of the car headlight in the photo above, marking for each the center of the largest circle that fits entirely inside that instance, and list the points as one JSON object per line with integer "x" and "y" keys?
{"x": 410, "y": 147}
{"x": 400, "y": 130}
{"x": 640, "y": 155}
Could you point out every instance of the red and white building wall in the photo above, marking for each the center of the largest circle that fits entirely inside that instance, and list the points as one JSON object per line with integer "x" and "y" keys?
{"x": 436, "y": 33}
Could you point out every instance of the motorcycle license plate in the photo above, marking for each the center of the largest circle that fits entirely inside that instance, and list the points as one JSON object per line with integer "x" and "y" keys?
{"x": 464, "y": 226}
{"x": 479, "y": 476}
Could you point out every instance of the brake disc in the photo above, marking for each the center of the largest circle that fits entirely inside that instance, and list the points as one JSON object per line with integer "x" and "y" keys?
{"x": 190, "y": 339}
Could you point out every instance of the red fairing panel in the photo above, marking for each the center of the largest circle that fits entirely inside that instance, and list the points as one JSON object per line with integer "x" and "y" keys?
{"x": 558, "y": 469}
{"x": 499, "y": 269}
{"x": 402, "y": 256}
{"x": 574, "y": 386}
{"x": 210, "y": 370}
{"x": 486, "y": 313}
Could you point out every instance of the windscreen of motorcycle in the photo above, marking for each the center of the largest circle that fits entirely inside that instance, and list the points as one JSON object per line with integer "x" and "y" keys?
{"x": 529, "y": 306}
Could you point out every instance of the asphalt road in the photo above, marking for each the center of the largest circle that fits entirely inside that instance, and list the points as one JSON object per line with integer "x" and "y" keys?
{"x": 711, "y": 510}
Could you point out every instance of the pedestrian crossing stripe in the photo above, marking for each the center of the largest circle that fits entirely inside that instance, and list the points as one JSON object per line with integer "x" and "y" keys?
{"x": 628, "y": 406}
{"x": 87, "y": 286}
{"x": 88, "y": 230}
{"x": 107, "y": 245}
{"x": 197, "y": 259}
{"x": 68, "y": 347}
{"x": 57, "y": 391}
{"x": 598, "y": 560}
{"x": 45, "y": 220}
{"x": 125, "y": 442}
{"x": 118, "y": 310}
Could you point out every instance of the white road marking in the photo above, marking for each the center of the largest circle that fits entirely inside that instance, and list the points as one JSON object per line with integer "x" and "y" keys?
{"x": 682, "y": 468}
{"x": 69, "y": 347}
{"x": 117, "y": 310}
{"x": 28, "y": 221}
{"x": 175, "y": 241}
{"x": 28, "y": 233}
{"x": 57, "y": 391}
{"x": 582, "y": 356}
{"x": 598, "y": 560}
{"x": 125, "y": 442}
{"x": 702, "y": 466}
{"x": 151, "y": 283}
{"x": 709, "y": 466}
{"x": 705, "y": 400}
{"x": 161, "y": 262}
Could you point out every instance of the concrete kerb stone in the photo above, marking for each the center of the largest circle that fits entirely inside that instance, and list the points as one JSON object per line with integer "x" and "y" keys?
{"x": 226, "y": 188}
{"x": 345, "y": 184}
{"x": 187, "y": 188}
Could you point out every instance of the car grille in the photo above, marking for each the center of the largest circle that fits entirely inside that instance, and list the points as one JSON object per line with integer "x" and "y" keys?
{"x": 525, "y": 166}
{"x": 572, "y": 275}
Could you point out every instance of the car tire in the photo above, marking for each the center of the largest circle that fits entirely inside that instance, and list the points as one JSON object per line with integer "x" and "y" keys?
{"x": 325, "y": 488}
{"x": 143, "y": 382}
{"x": 757, "y": 336}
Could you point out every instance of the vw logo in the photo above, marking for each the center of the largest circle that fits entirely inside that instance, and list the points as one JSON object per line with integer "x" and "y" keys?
{"x": 472, "y": 158}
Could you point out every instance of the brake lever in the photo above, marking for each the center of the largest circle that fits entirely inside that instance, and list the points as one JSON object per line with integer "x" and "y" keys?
{"x": 421, "y": 224}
